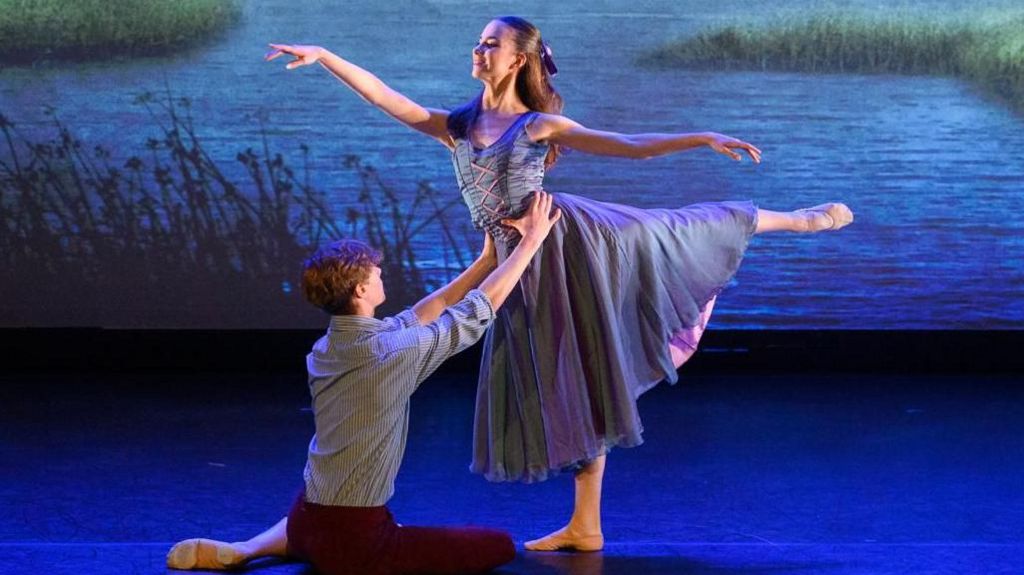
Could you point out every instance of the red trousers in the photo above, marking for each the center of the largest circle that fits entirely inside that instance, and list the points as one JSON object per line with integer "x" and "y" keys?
{"x": 366, "y": 540}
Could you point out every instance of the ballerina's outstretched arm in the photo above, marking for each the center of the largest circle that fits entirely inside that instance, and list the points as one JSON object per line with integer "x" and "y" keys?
{"x": 563, "y": 131}
{"x": 430, "y": 121}
{"x": 560, "y": 130}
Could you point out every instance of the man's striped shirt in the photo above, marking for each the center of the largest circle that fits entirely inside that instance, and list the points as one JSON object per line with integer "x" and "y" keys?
{"x": 361, "y": 376}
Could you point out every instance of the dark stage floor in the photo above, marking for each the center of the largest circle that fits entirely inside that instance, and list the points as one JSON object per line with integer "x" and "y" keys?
{"x": 739, "y": 474}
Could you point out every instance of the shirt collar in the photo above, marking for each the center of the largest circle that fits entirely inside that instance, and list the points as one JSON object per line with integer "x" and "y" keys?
{"x": 355, "y": 324}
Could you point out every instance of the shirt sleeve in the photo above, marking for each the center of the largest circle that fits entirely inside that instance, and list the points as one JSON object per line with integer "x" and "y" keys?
{"x": 458, "y": 327}
{"x": 402, "y": 320}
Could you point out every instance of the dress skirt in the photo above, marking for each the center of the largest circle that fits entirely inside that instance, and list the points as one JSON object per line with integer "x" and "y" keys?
{"x": 588, "y": 329}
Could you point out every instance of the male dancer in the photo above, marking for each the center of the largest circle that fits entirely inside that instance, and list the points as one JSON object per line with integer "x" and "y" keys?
{"x": 361, "y": 376}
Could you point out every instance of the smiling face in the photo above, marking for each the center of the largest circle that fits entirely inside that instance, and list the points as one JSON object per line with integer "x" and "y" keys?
{"x": 495, "y": 56}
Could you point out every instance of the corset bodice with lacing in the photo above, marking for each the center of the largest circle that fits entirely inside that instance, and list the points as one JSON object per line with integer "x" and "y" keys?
{"x": 496, "y": 181}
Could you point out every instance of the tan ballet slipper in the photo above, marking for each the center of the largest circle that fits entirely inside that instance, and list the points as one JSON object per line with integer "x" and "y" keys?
{"x": 838, "y": 215}
{"x": 565, "y": 540}
{"x": 204, "y": 554}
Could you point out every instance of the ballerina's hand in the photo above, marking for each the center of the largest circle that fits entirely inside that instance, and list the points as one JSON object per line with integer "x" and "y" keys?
{"x": 538, "y": 219}
{"x": 726, "y": 145}
{"x": 304, "y": 55}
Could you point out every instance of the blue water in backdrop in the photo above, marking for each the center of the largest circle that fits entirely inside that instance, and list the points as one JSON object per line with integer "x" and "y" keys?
{"x": 933, "y": 170}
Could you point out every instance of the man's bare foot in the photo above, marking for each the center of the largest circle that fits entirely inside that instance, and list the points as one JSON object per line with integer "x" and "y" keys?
{"x": 566, "y": 539}
{"x": 827, "y": 217}
{"x": 204, "y": 554}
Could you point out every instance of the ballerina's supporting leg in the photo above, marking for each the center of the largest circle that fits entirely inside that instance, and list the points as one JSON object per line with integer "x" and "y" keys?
{"x": 819, "y": 218}
{"x": 583, "y": 533}
{"x": 212, "y": 554}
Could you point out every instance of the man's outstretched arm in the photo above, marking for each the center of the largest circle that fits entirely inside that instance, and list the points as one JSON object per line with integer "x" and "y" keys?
{"x": 533, "y": 226}
{"x": 429, "y": 308}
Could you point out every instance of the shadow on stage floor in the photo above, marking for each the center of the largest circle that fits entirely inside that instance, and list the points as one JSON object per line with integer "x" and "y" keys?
{"x": 739, "y": 474}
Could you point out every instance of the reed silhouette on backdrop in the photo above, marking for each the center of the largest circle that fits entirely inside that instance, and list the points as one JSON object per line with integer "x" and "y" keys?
{"x": 168, "y": 237}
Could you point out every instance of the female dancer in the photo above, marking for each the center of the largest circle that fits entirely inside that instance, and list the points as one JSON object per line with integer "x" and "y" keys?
{"x": 618, "y": 297}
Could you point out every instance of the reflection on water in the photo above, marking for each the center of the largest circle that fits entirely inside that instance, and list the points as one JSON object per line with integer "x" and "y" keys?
{"x": 933, "y": 171}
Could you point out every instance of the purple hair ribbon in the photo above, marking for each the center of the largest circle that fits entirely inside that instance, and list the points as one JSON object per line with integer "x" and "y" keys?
{"x": 549, "y": 62}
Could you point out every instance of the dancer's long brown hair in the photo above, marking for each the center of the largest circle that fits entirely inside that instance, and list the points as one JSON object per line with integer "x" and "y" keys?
{"x": 533, "y": 86}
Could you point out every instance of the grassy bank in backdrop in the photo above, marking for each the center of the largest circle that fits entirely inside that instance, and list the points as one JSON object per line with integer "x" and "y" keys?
{"x": 32, "y": 30}
{"x": 986, "y": 49}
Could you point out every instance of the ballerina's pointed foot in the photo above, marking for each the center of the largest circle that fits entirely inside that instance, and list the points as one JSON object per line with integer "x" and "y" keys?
{"x": 831, "y": 216}
{"x": 566, "y": 540}
{"x": 204, "y": 554}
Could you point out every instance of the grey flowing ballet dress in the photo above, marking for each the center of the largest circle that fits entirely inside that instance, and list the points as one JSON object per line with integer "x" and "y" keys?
{"x": 588, "y": 328}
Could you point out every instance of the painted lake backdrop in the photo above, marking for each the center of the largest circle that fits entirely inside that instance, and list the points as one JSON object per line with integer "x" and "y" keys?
{"x": 182, "y": 186}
